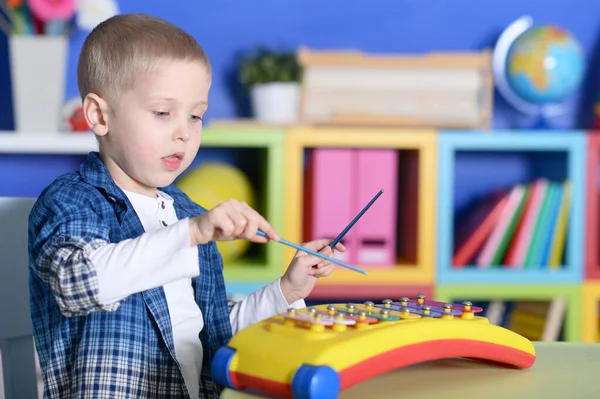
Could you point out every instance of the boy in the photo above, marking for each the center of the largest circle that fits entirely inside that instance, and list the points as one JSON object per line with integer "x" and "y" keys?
{"x": 127, "y": 290}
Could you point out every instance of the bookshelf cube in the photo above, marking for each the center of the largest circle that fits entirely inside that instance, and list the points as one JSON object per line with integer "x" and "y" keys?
{"x": 259, "y": 151}
{"x": 419, "y": 269}
{"x": 486, "y": 292}
{"x": 592, "y": 220}
{"x": 590, "y": 312}
{"x": 474, "y": 164}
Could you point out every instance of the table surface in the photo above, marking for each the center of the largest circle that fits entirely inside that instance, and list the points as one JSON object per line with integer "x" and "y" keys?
{"x": 562, "y": 370}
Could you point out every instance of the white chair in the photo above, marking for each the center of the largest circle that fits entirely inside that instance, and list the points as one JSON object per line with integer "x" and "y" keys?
{"x": 16, "y": 335}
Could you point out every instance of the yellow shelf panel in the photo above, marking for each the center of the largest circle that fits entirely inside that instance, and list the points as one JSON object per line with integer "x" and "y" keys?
{"x": 398, "y": 274}
{"x": 590, "y": 297}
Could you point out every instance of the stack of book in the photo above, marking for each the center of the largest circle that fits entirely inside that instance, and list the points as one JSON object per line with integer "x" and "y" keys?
{"x": 524, "y": 226}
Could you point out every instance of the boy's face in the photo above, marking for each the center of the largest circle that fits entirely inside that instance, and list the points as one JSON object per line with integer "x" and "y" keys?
{"x": 154, "y": 133}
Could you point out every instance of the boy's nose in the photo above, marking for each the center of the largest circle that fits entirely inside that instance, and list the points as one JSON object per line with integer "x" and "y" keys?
{"x": 182, "y": 133}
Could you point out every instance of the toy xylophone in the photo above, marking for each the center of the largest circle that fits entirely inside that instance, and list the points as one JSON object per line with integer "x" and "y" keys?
{"x": 318, "y": 352}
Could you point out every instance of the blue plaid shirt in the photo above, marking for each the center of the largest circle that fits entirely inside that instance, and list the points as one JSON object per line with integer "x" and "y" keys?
{"x": 124, "y": 349}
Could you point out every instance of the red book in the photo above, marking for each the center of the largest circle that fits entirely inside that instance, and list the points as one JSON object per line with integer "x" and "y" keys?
{"x": 477, "y": 228}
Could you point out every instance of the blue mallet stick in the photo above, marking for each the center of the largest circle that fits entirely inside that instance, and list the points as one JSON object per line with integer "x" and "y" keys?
{"x": 353, "y": 222}
{"x": 310, "y": 251}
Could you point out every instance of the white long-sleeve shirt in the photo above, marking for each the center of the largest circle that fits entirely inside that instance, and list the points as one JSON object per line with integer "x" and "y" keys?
{"x": 164, "y": 256}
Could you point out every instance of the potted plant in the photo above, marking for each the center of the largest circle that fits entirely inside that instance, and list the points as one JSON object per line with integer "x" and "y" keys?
{"x": 272, "y": 79}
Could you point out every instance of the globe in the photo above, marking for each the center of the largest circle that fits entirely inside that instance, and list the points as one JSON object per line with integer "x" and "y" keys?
{"x": 537, "y": 68}
{"x": 545, "y": 65}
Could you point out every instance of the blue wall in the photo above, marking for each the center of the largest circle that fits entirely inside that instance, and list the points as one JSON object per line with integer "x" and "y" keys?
{"x": 226, "y": 27}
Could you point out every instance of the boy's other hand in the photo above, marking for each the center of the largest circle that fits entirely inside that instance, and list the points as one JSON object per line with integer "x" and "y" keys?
{"x": 230, "y": 220}
{"x": 303, "y": 272}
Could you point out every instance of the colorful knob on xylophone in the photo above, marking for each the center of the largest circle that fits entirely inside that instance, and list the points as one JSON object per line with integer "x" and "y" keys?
{"x": 312, "y": 311}
{"x": 369, "y": 305}
{"x": 339, "y": 326}
{"x": 387, "y": 303}
{"x": 405, "y": 313}
{"x": 317, "y": 326}
{"x": 426, "y": 309}
{"x": 468, "y": 310}
{"x": 362, "y": 319}
{"x": 447, "y": 313}
{"x": 331, "y": 309}
{"x": 421, "y": 299}
{"x": 384, "y": 313}
{"x": 404, "y": 301}
{"x": 350, "y": 307}
{"x": 291, "y": 312}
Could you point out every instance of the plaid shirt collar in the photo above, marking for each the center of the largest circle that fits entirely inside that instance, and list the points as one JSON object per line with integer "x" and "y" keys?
{"x": 94, "y": 172}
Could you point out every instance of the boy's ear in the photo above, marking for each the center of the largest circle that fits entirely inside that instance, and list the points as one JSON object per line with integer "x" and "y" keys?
{"x": 95, "y": 113}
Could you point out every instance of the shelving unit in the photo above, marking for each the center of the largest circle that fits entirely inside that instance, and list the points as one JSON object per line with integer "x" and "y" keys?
{"x": 592, "y": 235}
{"x": 509, "y": 157}
{"x": 590, "y": 311}
{"x": 301, "y": 139}
{"x": 454, "y": 168}
{"x": 486, "y": 292}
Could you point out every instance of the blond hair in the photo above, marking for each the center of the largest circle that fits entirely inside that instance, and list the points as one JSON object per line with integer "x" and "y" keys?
{"x": 123, "y": 47}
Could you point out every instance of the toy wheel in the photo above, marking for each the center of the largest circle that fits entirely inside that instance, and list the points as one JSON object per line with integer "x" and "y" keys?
{"x": 220, "y": 366}
{"x": 316, "y": 382}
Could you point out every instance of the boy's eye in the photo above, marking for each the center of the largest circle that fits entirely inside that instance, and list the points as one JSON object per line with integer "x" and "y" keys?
{"x": 161, "y": 114}
{"x": 195, "y": 118}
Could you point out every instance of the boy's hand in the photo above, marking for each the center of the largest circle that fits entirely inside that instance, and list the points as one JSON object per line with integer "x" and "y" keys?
{"x": 301, "y": 275}
{"x": 230, "y": 220}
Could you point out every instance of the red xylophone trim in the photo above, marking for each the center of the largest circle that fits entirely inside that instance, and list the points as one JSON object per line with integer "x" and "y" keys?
{"x": 402, "y": 357}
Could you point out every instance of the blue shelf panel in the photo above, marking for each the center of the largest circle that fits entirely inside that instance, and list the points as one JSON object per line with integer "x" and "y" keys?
{"x": 472, "y": 164}
{"x": 447, "y": 275}
{"x": 513, "y": 140}
{"x": 239, "y": 288}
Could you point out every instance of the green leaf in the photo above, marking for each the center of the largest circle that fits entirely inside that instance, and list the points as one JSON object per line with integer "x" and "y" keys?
{"x": 266, "y": 66}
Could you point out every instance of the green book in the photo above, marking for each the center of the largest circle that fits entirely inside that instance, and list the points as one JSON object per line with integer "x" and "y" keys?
{"x": 540, "y": 226}
{"x": 510, "y": 230}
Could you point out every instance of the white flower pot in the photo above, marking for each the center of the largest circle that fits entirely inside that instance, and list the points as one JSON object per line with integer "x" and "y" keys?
{"x": 276, "y": 102}
{"x": 38, "y": 74}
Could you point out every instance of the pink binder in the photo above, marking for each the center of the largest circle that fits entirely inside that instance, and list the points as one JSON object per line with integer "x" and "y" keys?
{"x": 375, "y": 239}
{"x": 334, "y": 199}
